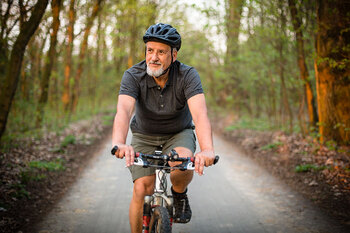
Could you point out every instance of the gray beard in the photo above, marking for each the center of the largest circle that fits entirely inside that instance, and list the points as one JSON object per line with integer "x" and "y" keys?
{"x": 155, "y": 73}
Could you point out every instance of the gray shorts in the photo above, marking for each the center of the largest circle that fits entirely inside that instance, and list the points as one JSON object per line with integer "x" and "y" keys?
{"x": 148, "y": 144}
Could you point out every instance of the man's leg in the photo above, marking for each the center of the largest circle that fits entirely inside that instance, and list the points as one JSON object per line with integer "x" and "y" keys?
{"x": 142, "y": 187}
{"x": 181, "y": 179}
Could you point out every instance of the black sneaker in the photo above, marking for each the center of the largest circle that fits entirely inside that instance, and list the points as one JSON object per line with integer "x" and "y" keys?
{"x": 183, "y": 211}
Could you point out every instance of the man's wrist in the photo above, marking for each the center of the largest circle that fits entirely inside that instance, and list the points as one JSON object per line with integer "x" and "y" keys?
{"x": 208, "y": 150}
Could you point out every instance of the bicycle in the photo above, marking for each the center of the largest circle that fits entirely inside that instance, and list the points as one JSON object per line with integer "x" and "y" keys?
{"x": 158, "y": 208}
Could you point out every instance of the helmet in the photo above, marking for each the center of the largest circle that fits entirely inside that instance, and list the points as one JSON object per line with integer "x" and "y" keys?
{"x": 163, "y": 33}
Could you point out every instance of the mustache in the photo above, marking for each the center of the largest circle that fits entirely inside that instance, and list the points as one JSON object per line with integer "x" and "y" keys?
{"x": 154, "y": 62}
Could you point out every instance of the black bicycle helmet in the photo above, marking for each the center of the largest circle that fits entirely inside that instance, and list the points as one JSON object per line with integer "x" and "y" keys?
{"x": 164, "y": 33}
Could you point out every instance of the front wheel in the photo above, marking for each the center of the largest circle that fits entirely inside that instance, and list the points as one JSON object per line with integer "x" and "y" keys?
{"x": 160, "y": 221}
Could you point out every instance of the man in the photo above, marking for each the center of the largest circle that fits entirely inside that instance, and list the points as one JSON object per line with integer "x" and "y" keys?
{"x": 168, "y": 95}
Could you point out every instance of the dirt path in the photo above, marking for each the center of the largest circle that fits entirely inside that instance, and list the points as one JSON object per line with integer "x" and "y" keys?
{"x": 234, "y": 196}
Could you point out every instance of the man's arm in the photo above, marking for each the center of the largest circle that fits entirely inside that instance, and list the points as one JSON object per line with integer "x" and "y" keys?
{"x": 125, "y": 108}
{"x": 200, "y": 118}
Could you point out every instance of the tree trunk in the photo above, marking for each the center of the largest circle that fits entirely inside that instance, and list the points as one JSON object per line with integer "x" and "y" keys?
{"x": 301, "y": 120}
{"x": 273, "y": 117}
{"x": 333, "y": 70}
{"x": 133, "y": 32}
{"x": 83, "y": 47}
{"x": 304, "y": 73}
{"x": 99, "y": 52}
{"x": 284, "y": 92}
{"x": 13, "y": 65}
{"x": 68, "y": 59}
{"x": 51, "y": 56}
{"x": 234, "y": 12}
{"x": 233, "y": 17}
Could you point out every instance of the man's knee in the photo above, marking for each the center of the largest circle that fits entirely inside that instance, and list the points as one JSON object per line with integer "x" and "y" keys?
{"x": 144, "y": 186}
{"x": 183, "y": 152}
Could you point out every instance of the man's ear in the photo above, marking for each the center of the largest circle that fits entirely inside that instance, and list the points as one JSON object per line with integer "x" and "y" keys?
{"x": 174, "y": 54}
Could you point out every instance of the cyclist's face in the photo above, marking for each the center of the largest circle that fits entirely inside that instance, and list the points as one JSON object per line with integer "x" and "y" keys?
{"x": 158, "y": 55}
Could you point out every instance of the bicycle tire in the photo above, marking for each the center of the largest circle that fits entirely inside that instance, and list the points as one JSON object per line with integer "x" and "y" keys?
{"x": 160, "y": 221}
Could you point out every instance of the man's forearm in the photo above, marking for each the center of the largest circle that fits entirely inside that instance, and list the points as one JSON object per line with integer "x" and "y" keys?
{"x": 120, "y": 128}
{"x": 204, "y": 133}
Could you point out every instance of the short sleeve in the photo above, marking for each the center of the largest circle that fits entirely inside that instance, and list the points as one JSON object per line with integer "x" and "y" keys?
{"x": 193, "y": 85}
{"x": 129, "y": 86}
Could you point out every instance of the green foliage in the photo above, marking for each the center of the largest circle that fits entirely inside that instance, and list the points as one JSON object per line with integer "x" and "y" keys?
{"x": 271, "y": 146}
{"x": 57, "y": 165}
{"x": 342, "y": 64}
{"x": 331, "y": 145}
{"x": 68, "y": 140}
{"x": 7, "y": 143}
{"x": 19, "y": 192}
{"x": 253, "y": 124}
{"x": 29, "y": 175}
{"x": 309, "y": 167}
{"x": 36, "y": 170}
{"x": 108, "y": 119}
{"x": 266, "y": 52}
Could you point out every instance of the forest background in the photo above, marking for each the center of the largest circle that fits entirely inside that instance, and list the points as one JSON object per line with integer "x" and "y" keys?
{"x": 63, "y": 60}
{"x": 274, "y": 64}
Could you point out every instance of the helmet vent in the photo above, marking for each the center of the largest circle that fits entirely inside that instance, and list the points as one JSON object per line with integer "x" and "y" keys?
{"x": 164, "y": 33}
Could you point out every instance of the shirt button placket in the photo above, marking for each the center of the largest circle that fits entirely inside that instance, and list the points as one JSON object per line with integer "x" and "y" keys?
{"x": 161, "y": 101}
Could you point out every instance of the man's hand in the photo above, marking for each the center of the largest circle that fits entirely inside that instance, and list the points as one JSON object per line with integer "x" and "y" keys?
{"x": 204, "y": 158}
{"x": 126, "y": 151}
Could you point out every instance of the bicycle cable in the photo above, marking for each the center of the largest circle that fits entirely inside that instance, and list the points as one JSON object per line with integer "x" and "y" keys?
{"x": 163, "y": 183}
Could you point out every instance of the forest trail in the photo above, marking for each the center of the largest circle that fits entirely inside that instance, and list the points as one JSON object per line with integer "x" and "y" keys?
{"x": 236, "y": 195}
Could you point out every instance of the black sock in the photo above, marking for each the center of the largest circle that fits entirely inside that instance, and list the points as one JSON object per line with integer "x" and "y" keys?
{"x": 172, "y": 190}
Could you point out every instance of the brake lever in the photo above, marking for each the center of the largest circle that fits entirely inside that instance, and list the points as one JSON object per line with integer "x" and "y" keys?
{"x": 140, "y": 161}
{"x": 188, "y": 165}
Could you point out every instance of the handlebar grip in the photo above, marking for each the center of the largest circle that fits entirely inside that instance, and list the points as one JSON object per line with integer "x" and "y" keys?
{"x": 114, "y": 149}
{"x": 216, "y": 159}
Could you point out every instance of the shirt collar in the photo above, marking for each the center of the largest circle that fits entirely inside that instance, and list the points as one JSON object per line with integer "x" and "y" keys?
{"x": 151, "y": 83}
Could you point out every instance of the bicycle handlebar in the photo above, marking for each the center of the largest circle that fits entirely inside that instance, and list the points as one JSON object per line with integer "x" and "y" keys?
{"x": 141, "y": 159}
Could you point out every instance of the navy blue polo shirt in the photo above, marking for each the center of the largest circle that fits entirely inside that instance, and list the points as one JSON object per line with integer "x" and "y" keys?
{"x": 161, "y": 111}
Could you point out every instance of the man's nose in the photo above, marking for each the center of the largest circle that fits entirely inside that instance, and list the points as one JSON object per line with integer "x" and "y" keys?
{"x": 155, "y": 57}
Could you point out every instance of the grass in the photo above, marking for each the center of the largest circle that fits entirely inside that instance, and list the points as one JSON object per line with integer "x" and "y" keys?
{"x": 57, "y": 165}
{"x": 35, "y": 170}
{"x": 309, "y": 167}
{"x": 108, "y": 119}
{"x": 28, "y": 175}
{"x": 21, "y": 121}
{"x": 19, "y": 192}
{"x": 271, "y": 146}
{"x": 253, "y": 124}
{"x": 331, "y": 145}
{"x": 68, "y": 140}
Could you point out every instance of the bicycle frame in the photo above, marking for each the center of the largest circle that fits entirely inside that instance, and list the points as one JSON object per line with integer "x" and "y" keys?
{"x": 160, "y": 197}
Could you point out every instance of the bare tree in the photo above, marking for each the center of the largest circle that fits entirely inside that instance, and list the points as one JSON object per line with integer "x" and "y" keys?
{"x": 51, "y": 55}
{"x": 304, "y": 73}
{"x": 10, "y": 66}
{"x": 83, "y": 48}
